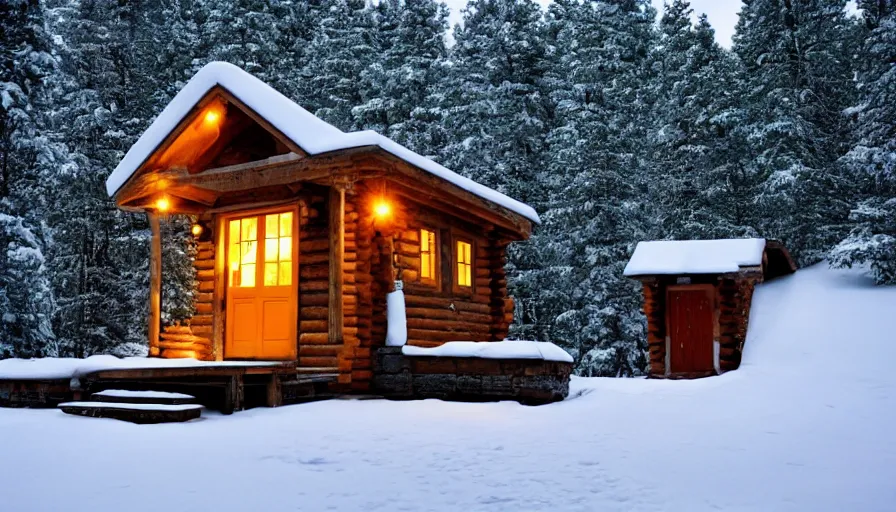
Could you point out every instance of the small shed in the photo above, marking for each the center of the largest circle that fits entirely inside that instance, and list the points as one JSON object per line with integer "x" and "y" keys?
{"x": 697, "y": 296}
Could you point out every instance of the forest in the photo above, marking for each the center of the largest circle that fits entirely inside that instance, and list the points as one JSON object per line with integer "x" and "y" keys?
{"x": 617, "y": 123}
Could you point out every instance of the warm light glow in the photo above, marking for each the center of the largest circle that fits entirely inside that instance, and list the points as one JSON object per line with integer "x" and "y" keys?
{"x": 382, "y": 209}
{"x": 212, "y": 117}
{"x": 196, "y": 229}
{"x": 163, "y": 204}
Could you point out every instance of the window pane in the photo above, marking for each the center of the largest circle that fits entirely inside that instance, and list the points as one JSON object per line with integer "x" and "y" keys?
{"x": 467, "y": 256}
{"x": 285, "y": 273}
{"x": 270, "y": 226}
{"x": 234, "y": 231}
{"x": 249, "y": 229}
{"x": 286, "y": 249}
{"x": 424, "y": 265}
{"x": 270, "y": 250}
{"x": 286, "y": 224}
{"x": 247, "y": 276}
{"x": 270, "y": 274}
{"x": 424, "y": 240}
{"x": 248, "y": 252}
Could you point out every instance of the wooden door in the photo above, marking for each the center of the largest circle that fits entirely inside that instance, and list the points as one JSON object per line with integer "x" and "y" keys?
{"x": 690, "y": 321}
{"x": 261, "y": 293}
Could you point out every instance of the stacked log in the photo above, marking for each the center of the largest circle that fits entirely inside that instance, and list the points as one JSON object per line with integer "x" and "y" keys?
{"x": 735, "y": 296}
{"x": 358, "y": 326}
{"x": 315, "y": 349}
{"x": 177, "y": 341}
{"x": 204, "y": 263}
{"x": 501, "y": 304}
{"x": 654, "y": 310}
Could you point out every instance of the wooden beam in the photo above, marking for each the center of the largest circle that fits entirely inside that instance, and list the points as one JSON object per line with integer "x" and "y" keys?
{"x": 218, "y": 306}
{"x": 155, "y": 281}
{"x": 335, "y": 316}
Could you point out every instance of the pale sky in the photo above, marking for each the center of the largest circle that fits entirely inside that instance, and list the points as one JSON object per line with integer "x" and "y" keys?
{"x": 722, "y": 14}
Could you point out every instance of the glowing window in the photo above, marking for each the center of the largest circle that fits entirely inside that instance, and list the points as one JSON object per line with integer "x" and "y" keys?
{"x": 278, "y": 249}
{"x": 243, "y": 254}
{"x": 464, "y": 264}
{"x": 428, "y": 255}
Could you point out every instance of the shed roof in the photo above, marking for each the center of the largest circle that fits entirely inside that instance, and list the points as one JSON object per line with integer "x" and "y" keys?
{"x": 309, "y": 132}
{"x": 667, "y": 257}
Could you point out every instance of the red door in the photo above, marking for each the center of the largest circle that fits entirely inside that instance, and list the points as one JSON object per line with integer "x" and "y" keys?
{"x": 690, "y": 313}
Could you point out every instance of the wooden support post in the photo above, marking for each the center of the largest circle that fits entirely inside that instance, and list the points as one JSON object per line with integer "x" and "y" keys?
{"x": 155, "y": 283}
{"x": 275, "y": 391}
{"x": 233, "y": 395}
{"x": 335, "y": 318}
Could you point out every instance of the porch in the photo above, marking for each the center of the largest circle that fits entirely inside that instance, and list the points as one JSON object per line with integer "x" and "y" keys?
{"x": 227, "y": 386}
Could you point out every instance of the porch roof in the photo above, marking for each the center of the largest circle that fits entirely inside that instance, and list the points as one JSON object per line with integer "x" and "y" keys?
{"x": 310, "y": 133}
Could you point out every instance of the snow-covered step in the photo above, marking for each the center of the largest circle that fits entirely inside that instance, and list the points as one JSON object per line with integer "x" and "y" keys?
{"x": 142, "y": 397}
{"x": 133, "y": 412}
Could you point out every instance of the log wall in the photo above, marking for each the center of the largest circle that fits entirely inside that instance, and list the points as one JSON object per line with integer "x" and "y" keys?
{"x": 735, "y": 297}
{"x": 315, "y": 348}
{"x": 442, "y": 312}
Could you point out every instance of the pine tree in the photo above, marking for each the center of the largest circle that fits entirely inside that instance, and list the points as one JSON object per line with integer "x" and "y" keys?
{"x": 493, "y": 107}
{"x": 26, "y": 296}
{"x": 581, "y": 300}
{"x": 796, "y": 57}
{"x": 410, "y": 45}
{"x": 695, "y": 184}
{"x": 872, "y": 159}
{"x": 343, "y": 47}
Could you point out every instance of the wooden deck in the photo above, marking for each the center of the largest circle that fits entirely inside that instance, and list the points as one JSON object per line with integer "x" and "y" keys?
{"x": 226, "y": 386}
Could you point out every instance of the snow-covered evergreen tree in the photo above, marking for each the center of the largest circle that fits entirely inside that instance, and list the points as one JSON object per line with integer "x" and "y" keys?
{"x": 410, "y": 45}
{"x": 695, "y": 184}
{"x": 493, "y": 107}
{"x": 26, "y": 296}
{"x": 872, "y": 159}
{"x": 797, "y": 81}
{"x": 344, "y": 45}
{"x": 578, "y": 297}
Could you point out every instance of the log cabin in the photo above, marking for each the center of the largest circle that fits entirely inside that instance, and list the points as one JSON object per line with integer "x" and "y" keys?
{"x": 697, "y": 297}
{"x": 302, "y": 229}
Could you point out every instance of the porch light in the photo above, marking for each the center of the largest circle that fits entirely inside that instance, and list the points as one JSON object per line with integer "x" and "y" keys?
{"x": 382, "y": 208}
{"x": 212, "y": 116}
{"x": 196, "y": 229}
{"x": 162, "y": 204}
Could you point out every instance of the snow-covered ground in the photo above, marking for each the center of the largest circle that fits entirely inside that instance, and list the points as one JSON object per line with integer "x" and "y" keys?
{"x": 807, "y": 423}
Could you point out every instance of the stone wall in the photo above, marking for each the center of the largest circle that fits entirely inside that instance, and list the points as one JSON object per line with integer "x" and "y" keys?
{"x": 527, "y": 381}
{"x": 34, "y": 393}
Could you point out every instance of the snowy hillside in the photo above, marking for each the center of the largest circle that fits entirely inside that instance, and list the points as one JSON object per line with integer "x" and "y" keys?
{"x": 805, "y": 424}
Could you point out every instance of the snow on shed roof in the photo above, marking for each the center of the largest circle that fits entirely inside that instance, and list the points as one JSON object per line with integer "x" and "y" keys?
{"x": 309, "y": 132}
{"x": 694, "y": 256}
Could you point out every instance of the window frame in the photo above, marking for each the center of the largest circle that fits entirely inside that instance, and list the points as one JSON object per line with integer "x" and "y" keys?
{"x": 455, "y": 273}
{"x": 435, "y": 252}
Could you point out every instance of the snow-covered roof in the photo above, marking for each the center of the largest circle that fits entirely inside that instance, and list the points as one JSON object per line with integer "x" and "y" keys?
{"x": 695, "y": 256}
{"x": 310, "y": 133}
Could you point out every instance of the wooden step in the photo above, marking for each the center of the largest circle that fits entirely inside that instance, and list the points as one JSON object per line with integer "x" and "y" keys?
{"x": 123, "y": 396}
{"x": 142, "y": 414}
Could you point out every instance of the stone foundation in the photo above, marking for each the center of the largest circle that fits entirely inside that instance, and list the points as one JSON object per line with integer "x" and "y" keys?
{"x": 35, "y": 393}
{"x": 530, "y": 381}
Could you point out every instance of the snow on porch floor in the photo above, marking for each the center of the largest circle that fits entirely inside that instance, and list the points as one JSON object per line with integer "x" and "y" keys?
{"x": 806, "y": 424}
